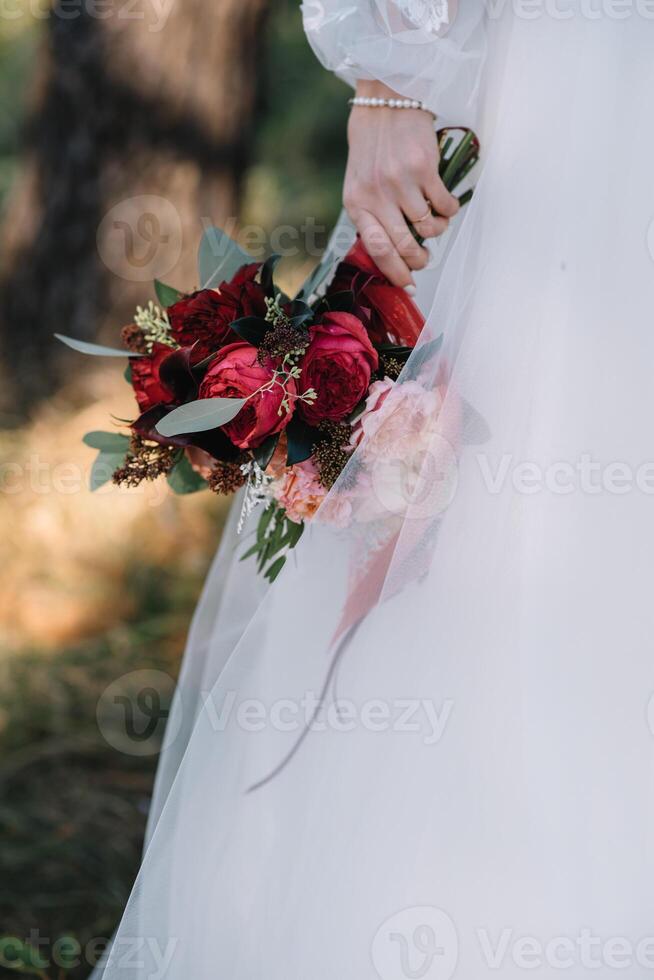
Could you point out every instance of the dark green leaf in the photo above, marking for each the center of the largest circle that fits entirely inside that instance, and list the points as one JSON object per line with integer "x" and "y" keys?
{"x": 167, "y": 295}
{"x": 275, "y": 568}
{"x": 301, "y": 440}
{"x": 264, "y": 453}
{"x": 183, "y": 479}
{"x": 128, "y": 374}
{"x": 342, "y": 301}
{"x": 250, "y": 552}
{"x": 421, "y": 357}
{"x": 251, "y": 329}
{"x": 264, "y": 522}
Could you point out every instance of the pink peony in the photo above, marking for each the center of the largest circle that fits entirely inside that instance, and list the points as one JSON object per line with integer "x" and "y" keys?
{"x": 408, "y": 462}
{"x": 398, "y": 419}
{"x": 299, "y": 491}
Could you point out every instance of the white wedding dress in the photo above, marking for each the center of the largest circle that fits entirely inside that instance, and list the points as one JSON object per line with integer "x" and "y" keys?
{"x": 476, "y": 798}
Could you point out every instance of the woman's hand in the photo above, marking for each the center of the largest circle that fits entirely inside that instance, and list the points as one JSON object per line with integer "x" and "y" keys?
{"x": 392, "y": 177}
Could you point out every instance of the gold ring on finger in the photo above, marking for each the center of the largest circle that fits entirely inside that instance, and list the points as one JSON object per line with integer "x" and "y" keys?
{"x": 428, "y": 214}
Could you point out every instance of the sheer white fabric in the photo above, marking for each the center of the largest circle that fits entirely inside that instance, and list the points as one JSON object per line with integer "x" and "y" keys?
{"x": 476, "y": 799}
{"x": 423, "y": 49}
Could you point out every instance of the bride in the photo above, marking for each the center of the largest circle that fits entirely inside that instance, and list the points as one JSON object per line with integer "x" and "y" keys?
{"x": 454, "y": 780}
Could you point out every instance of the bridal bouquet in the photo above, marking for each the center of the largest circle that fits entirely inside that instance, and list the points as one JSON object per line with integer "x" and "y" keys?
{"x": 239, "y": 385}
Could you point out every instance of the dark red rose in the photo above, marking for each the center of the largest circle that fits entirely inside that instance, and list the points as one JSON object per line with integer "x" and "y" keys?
{"x": 148, "y": 386}
{"x": 237, "y": 373}
{"x": 205, "y": 315}
{"x": 337, "y": 365}
{"x": 394, "y": 317}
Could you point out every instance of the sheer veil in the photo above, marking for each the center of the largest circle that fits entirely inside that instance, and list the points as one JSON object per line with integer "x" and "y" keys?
{"x": 432, "y": 735}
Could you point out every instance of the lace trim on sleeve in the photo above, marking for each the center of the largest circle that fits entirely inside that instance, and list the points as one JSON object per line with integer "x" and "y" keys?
{"x": 429, "y": 15}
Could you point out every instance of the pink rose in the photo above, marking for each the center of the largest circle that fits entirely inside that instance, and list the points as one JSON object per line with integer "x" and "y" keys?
{"x": 236, "y": 373}
{"x": 299, "y": 491}
{"x": 338, "y": 366}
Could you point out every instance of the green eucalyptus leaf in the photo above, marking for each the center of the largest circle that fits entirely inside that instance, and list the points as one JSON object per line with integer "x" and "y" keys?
{"x": 128, "y": 374}
{"x": 167, "y": 295}
{"x": 183, "y": 479}
{"x": 104, "y": 467}
{"x": 97, "y": 350}
{"x": 250, "y": 552}
{"x": 107, "y": 442}
{"x": 340, "y": 243}
{"x": 200, "y": 415}
{"x": 264, "y": 522}
{"x": 219, "y": 258}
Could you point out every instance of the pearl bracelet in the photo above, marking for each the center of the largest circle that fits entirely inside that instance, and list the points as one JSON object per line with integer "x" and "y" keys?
{"x": 370, "y": 102}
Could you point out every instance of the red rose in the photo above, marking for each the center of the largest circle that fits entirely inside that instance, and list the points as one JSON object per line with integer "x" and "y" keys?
{"x": 236, "y": 373}
{"x": 337, "y": 365}
{"x": 205, "y": 315}
{"x": 394, "y": 317}
{"x": 148, "y": 386}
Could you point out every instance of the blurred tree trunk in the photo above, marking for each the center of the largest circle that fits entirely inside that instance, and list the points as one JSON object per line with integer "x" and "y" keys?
{"x": 138, "y": 134}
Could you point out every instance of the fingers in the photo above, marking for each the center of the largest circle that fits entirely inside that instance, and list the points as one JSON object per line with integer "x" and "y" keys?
{"x": 418, "y": 211}
{"x": 443, "y": 203}
{"x": 382, "y": 250}
{"x": 395, "y": 225}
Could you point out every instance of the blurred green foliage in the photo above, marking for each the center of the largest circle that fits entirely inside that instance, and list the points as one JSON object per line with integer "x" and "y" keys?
{"x": 300, "y": 150}
{"x": 18, "y": 41}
